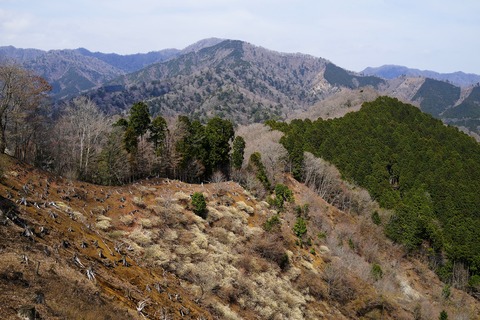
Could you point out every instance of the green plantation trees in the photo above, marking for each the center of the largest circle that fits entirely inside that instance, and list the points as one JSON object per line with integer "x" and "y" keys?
{"x": 199, "y": 204}
{"x": 255, "y": 165}
{"x": 410, "y": 162}
{"x": 189, "y": 150}
{"x": 219, "y": 134}
{"x": 139, "y": 119}
{"x": 238, "y": 152}
{"x": 158, "y": 134}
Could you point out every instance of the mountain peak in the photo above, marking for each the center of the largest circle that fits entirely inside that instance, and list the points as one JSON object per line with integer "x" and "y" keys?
{"x": 204, "y": 43}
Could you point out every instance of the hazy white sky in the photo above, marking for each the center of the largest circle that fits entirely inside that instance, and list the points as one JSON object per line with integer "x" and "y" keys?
{"x": 438, "y": 35}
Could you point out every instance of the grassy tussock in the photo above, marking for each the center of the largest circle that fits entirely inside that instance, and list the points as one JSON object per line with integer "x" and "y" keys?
{"x": 103, "y": 223}
{"x": 141, "y": 236}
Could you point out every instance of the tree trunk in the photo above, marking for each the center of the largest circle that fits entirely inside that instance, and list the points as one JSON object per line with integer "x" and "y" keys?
{"x": 3, "y": 141}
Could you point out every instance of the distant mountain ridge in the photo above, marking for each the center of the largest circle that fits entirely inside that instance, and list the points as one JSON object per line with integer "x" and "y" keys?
{"x": 458, "y": 78}
{"x": 231, "y": 79}
{"x": 244, "y": 82}
{"x": 71, "y": 71}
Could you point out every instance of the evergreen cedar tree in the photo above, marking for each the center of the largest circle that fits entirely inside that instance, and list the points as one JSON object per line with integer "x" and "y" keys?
{"x": 238, "y": 152}
{"x": 203, "y": 147}
{"x": 256, "y": 165}
{"x": 427, "y": 172}
{"x": 199, "y": 204}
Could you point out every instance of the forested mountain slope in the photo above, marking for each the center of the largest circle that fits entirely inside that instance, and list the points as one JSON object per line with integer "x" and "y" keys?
{"x": 232, "y": 79}
{"x": 427, "y": 172}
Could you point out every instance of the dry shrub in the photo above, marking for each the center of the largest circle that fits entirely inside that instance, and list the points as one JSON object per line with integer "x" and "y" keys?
{"x": 141, "y": 237}
{"x": 233, "y": 224}
{"x": 97, "y": 210}
{"x": 244, "y": 207}
{"x": 117, "y": 234}
{"x": 230, "y": 292}
{"x": 103, "y": 223}
{"x": 223, "y": 311}
{"x": 223, "y": 236}
{"x": 157, "y": 254}
{"x": 213, "y": 214}
{"x": 127, "y": 219}
{"x": 139, "y": 202}
{"x": 340, "y": 286}
{"x": 249, "y": 264}
{"x": 146, "y": 223}
{"x": 156, "y": 209}
{"x": 182, "y": 197}
{"x": 217, "y": 177}
{"x": 310, "y": 283}
{"x": 270, "y": 247}
{"x": 145, "y": 190}
{"x": 79, "y": 217}
{"x": 170, "y": 234}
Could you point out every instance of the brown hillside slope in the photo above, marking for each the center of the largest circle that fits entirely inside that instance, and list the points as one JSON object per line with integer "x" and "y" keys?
{"x": 72, "y": 250}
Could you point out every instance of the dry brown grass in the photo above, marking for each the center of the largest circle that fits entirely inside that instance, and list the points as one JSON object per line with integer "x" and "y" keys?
{"x": 104, "y": 223}
{"x": 127, "y": 219}
{"x": 139, "y": 202}
{"x": 141, "y": 236}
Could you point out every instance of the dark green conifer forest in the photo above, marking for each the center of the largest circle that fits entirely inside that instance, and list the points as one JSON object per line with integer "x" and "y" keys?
{"x": 427, "y": 172}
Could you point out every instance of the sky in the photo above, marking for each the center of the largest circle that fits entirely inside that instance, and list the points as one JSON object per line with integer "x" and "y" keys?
{"x": 436, "y": 35}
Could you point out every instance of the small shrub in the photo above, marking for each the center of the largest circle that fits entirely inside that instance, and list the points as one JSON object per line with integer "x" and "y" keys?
{"x": 446, "y": 292}
{"x": 377, "y": 272}
{"x": 443, "y": 315}
{"x": 351, "y": 244}
{"x": 127, "y": 219}
{"x": 199, "y": 204}
{"x": 269, "y": 247}
{"x": 139, "y": 202}
{"x": 300, "y": 227}
{"x": 321, "y": 236}
{"x": 474, "y": 283}
{"x": 244, "y": 207}
{"x": 146, "y": 223}
{"x": 282, "y": 195}
{"x": 103, "y": 222}
{"x": 117, "y": 234}
{"x": 376, "y": 218}
{"x": 256, "y": 165}
{"x": 271, "y": 223}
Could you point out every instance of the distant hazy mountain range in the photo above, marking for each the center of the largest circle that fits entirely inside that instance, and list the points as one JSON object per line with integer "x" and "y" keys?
{"x": 392, "y": 71}
{"x": 73, "y": 71}
{"x": 245, "y": 83}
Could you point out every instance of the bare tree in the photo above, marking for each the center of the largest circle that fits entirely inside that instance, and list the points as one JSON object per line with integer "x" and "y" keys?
{"x": 80, "y": 133}
{"x": 260, "y": 138}
{"x": 321, "y": 176}
{"x": 21, "y": 95}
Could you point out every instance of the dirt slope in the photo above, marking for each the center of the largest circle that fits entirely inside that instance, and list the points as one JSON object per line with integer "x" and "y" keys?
{"x": 72, "y": 250}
